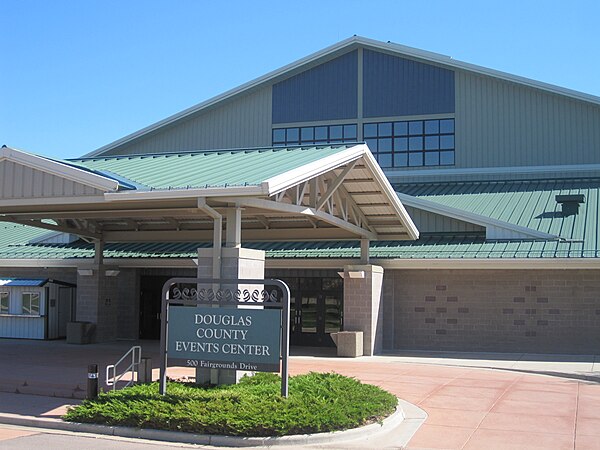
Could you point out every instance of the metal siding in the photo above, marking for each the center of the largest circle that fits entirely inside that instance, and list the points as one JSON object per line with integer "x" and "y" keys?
{"x": 427, "y": 222}
{"x": 243, "y": 122}
{"x": 19, "y": 181}
{"x": 503, "y": 124}
{"x": 22, "y": 327}
{"x": 394, "y": 86}
{"x": 16, "y": 326}
{"x": 325, "y": 92}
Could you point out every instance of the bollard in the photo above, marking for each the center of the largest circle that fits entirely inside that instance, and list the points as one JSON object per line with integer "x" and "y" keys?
{"x": 144, "y": 370}
{"x": 92, "y": 382}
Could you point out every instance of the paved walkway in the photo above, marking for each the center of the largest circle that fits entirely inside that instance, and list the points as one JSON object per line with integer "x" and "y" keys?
{"x": 469, "y": 406}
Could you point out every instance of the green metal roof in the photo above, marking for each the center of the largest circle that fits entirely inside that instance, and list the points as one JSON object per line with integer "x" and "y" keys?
{"x": 246, "y": 167}
{"x": 529, "y": 204}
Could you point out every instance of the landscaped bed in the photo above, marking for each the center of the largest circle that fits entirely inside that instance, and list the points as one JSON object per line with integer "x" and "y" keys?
{"x": 317, "y": 402}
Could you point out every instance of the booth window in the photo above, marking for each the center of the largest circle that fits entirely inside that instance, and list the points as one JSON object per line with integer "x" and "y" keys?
{"x": 4, "y": 302}
{"x": 31, "y": 303}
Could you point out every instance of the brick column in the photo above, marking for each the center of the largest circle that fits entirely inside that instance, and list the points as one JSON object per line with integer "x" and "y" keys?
{"x": 363, "y": 309}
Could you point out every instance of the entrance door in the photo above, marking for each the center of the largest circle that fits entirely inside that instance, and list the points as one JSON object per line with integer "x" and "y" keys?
{"x": 150, "y": 302}
{"x": 316, "y": 311}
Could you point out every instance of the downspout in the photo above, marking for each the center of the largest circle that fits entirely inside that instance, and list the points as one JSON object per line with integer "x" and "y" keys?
{"x": 217, "y": 235}
{"x": 213, "y": 374}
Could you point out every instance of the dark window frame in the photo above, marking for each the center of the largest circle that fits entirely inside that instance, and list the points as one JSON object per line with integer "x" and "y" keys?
{"x": 414, "y": 137}
{"x": 349, "y": 134}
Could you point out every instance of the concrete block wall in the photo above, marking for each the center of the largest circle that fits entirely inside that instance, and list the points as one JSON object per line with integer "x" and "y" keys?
{"x": 98, "y": 302}
{"x": 542, "y": 311}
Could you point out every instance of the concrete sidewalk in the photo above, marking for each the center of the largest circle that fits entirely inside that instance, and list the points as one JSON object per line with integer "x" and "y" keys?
{"x": 485, "y": 400}
{"x": 586, "y": 367}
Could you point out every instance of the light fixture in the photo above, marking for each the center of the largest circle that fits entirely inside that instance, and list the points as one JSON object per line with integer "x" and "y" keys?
{"x": 356, "y": 273}
{"x": 85, "y": 272}
{"x": 112, "y": 272}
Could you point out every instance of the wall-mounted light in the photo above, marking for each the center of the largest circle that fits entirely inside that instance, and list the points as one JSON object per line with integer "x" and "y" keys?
{"x": 112, "y": 272}
{"x": 356, "y": 273}
{"x": 85, "y": 272}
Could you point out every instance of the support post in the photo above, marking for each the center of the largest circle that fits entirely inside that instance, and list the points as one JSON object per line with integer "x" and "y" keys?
{"x": 364, "y": 251}
{"x": 233, "y": 231}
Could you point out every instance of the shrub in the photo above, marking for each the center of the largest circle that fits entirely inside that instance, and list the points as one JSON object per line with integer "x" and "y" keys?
{"x": 317, "y": 402}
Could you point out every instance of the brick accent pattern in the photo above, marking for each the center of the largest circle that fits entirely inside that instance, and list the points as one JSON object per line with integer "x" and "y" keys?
{"x": 546, "y": 311}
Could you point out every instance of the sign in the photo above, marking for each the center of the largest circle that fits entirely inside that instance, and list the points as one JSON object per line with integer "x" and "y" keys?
{"x": 225, "y": 338}
{"x": 239, "y": 328}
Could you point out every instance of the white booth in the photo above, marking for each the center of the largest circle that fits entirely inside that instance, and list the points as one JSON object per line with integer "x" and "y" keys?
{"x": 35, "y": 308}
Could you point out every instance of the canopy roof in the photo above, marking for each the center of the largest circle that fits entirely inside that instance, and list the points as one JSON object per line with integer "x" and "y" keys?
{"x": 298, "y": 193}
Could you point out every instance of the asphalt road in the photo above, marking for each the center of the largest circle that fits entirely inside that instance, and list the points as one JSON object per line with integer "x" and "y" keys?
{"x": 25, "y": 438}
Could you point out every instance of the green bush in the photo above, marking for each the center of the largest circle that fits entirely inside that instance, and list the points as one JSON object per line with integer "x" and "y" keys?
{"x": 317, "y": 402}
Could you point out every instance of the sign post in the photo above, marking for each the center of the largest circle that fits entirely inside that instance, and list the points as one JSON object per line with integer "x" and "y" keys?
{"x": 222, "y": 328}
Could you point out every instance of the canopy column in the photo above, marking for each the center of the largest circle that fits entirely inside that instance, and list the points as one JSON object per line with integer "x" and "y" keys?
{"x": 97, "y": 297}
{"x": 363, "y": 309}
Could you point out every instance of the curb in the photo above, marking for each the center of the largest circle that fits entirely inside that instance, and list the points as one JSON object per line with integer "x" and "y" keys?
{"x": 373, "y": 431}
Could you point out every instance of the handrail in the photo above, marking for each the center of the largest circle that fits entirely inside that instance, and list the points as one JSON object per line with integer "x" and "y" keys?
{"x": 136, "y": 357}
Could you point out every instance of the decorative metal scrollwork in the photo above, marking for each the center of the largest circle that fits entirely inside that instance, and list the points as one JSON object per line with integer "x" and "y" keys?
{"x": 225, "y": 295}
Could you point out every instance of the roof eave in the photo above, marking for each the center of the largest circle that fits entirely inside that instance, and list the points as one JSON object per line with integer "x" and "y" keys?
{"x": 58, "y": 169}
{"x": 169, "y": 194}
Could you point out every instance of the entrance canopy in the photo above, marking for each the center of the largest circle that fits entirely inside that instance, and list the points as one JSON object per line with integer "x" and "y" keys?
{"x": 332, "y": 192}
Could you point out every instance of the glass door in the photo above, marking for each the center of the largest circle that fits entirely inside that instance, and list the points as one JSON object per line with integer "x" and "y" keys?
{"x": 316, "y": 312}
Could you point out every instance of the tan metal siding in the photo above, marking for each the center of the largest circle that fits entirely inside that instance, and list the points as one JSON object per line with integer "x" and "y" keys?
{"x": 427, "y": 222}
{"x": 243, "y": 122}
{"x": 503, "y": 124}
{"x": 19, "y": 181}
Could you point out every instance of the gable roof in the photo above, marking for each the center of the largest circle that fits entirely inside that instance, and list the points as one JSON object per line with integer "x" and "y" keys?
{"x": 285, "y": 193}
{"x": 336, "y": 50}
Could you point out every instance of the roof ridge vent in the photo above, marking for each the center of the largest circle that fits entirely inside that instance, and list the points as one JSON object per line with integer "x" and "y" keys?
{"x": 570, "y": 203}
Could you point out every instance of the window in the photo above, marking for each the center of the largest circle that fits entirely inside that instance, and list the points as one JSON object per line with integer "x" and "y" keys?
{"x": 4, "y": 303}
{"x": 31, "y": 303}
{"x": 411, "y": 143}
{"x": 323, "y": 134}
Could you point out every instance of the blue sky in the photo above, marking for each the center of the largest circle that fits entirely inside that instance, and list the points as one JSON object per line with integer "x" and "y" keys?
{"x": 76, "y": 75}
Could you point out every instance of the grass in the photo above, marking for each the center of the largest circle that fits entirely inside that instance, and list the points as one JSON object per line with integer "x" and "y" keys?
{"x": 317, "y": 402}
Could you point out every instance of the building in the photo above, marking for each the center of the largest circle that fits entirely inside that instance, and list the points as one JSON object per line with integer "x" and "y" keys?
{"x": 489, "y": 242}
